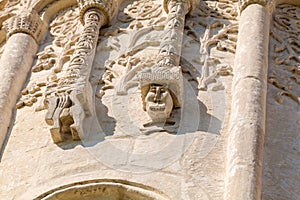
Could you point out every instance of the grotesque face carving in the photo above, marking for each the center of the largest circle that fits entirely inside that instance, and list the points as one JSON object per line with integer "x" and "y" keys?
{"x": 159, "y": 103}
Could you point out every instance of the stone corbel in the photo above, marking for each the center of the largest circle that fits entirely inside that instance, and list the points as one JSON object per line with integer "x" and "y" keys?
{"x": 162, "y": 84}
{"x": 72, "y": 101}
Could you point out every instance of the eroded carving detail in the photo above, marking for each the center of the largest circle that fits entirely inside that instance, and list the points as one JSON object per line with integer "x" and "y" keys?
{"x": 106, "y": 8}
{"x": 143, "y": 17}
{"x": 71, "y": 100}
{"x": 29, "y": 23}
{"x": 159, "y": 81}
{"x": 65, "y": 33}
{"x": 218, "y": 20}
{"x": 284, "y": 72}
{"x": 140, "y": 10}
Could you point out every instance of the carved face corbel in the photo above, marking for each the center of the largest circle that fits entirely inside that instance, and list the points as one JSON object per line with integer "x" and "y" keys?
{"x": 159, "y": 103}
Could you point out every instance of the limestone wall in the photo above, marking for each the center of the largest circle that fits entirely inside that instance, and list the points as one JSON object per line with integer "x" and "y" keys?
{"x": 150, "y": 99}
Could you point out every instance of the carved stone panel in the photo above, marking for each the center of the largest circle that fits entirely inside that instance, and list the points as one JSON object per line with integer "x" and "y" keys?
{"x": 282, "y": 146}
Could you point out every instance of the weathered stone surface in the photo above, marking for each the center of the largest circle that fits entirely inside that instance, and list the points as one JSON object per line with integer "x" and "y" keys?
{"x": 150, "y": 99}
{"x": 281, "y": 156}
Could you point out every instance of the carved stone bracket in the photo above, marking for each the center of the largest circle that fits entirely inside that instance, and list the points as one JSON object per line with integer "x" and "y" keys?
{"x": 244, "y": 3}
{"x": 162, "y": 84}
{"x": 71, "y": 100}
{"x": 29, "y": 23}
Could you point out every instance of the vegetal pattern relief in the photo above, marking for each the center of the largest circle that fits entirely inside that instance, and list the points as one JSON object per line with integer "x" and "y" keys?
{"x": 284, "y": 65}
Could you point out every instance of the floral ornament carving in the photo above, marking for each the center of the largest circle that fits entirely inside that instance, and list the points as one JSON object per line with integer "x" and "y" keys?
{"x": 218, "y": 21}
{"x": 64, "y": 33}
{"x": 284, "y": 70}
{"x": 140, "y": 10}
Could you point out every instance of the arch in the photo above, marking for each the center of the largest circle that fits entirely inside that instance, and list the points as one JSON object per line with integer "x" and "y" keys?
{"x": 292, "y": 2}
{"x": 52, "y": 7}
{"x": 103, "y": 189}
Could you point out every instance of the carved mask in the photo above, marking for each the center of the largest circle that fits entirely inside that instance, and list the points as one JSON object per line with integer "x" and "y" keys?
{"x": 159, "y": 103}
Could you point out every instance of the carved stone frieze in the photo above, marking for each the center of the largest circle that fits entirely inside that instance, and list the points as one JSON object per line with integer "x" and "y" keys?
{"x": 26, "y": 22}
{"x": 284, "y": 69}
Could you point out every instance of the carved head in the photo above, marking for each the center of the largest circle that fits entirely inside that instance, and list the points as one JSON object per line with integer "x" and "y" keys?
{"x": 159, "y": 103}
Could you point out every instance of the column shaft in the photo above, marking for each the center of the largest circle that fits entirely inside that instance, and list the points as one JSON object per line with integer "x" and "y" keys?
{"x": 15, "y": 64}
{"x": 247, "y": 122}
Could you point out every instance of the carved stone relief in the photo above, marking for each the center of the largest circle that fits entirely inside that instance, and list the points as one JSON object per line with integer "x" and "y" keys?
{"x": 284, "y": 65}
{"x": 57, "y": 59}
{"x": 214, "y": 26}
{"x": 55, "y": 53}
{"x": 145, "y": 48}
{"x": 131, "y": 64}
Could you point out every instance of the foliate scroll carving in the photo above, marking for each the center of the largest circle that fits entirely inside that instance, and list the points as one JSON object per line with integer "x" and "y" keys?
{"x": 284, "y": 69}
{"x": 140, "y": 10}
{"x": 29, "y": 23}
{"x": 217, "y": 22}
{"x": 64, "y": 33}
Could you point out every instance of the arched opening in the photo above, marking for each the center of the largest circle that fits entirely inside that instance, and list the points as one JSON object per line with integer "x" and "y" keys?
{"x": 103, "y": 189}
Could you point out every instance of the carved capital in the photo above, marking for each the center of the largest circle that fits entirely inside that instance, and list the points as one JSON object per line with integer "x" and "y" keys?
{"x": 106, "y": 7}
{"x": 29, "y": 23}
{"x": 244, "y": 3}
{"x": 187, "y": 5}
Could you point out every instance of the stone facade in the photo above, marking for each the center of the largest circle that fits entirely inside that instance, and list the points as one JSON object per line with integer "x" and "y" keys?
{"x": 150, "y": 99}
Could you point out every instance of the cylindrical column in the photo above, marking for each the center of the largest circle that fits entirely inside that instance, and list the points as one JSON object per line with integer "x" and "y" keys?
{"x": 171, "y": 44}
{"x": 71, "y": 101}
{"x": 23, "y": 32}
{"x": 247, "y": 122}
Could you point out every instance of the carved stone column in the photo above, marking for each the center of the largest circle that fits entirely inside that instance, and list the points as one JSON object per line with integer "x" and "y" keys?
{"x": 162, "y": 85}
{"x": 171, "y": 44}
{"x": 72, "y": 101}
{"x": 23, "y": 32}
{"x": 247, "y": 122}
